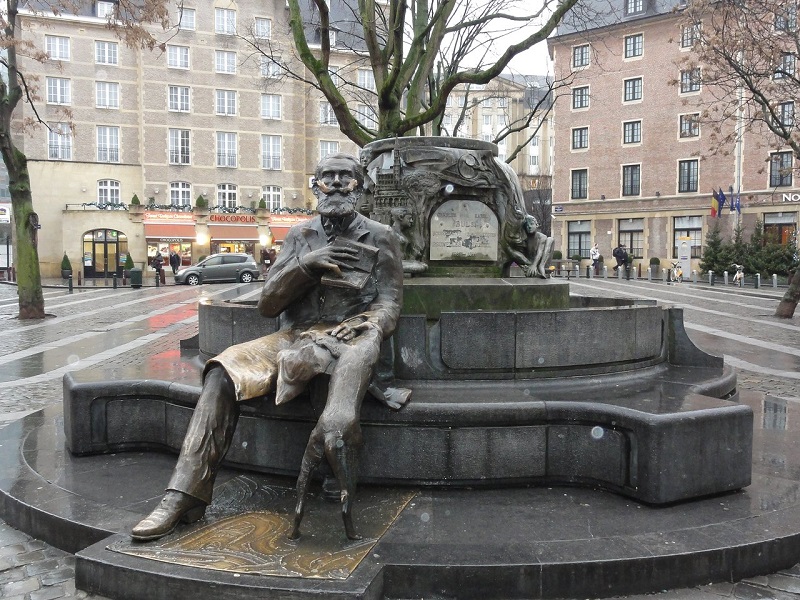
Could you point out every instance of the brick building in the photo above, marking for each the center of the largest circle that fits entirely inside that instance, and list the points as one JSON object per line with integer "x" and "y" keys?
{"x": 632, "y": 158}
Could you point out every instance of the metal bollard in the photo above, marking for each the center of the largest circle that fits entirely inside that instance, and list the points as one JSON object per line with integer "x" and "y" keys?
{"x": 650, "y": 273}
{"x": 577, "y": 271}
{"x": 711, "y": 278}
{"x": 665, "y": 275}
{"x": 758, "y": 281}
{"x": 605, "y": 272}
{"x": 774, "y": 280}
{"x": 725, "y": 277}
{"x": 69, "y": 282}
{"x": 694, "y": 276}
{"x": 158, "y": 280}
{"x": 115, "y": 281}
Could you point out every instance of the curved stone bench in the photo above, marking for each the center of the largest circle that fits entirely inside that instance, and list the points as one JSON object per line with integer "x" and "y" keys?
{"x": 616, "y": 397}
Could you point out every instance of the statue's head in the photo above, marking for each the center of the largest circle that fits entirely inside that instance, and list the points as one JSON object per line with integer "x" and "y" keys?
{"x": 403, "y": 216}
{"x": 530, "y": 224}
{"x": 338, "y": 185}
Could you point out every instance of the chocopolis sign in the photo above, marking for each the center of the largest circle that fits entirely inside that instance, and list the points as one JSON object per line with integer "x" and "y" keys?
{"x": 229, "y": 218}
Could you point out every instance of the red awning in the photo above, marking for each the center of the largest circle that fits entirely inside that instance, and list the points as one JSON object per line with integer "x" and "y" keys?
{"x": 235, "y": 233}
{"x": 169, "y": 230}
{"x": 279, "y": 233}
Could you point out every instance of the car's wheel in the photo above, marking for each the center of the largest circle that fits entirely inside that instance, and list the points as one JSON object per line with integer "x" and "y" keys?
{"x": 193, "y": 279}
{"x": 246, "y": 277}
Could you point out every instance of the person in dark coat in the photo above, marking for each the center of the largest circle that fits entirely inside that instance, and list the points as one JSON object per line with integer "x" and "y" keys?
{"x": 174, "y": 261}
{"x": 158, "y": 263}
{"x": 330, "y": 321}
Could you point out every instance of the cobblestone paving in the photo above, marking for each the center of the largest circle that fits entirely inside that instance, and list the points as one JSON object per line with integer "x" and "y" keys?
{"x": 32, "y": 570}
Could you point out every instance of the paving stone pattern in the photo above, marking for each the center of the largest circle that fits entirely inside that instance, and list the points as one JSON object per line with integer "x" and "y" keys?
{"x": 32, "y": 570}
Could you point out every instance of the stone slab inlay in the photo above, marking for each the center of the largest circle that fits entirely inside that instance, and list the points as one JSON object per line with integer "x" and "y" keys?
{"x": 464, "y": 230}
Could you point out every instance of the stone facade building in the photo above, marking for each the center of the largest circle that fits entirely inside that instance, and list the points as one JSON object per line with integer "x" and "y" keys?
{"x": 206, "y": 116}
{"x": 633, "y": 161}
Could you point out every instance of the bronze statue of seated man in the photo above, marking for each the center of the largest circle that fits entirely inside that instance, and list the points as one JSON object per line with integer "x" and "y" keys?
{"x": 337, "y": 287}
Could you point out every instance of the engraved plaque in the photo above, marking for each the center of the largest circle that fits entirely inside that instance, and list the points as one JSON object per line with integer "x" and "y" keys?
{"x": 464, "y": 230}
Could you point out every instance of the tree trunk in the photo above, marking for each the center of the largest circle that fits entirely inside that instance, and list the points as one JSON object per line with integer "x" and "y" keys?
{"x": 790, "y": 299}
{"x": 26, "y": 222}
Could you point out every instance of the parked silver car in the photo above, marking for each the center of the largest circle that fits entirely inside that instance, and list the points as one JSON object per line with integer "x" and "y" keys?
{"x": 220, "y": 267}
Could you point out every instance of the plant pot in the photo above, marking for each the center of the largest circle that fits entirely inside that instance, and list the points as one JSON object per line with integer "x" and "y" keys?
{"x": 65, "y": 273}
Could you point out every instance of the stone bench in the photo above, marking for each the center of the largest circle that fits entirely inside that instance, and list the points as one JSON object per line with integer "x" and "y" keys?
{"x": 618, "y": 398}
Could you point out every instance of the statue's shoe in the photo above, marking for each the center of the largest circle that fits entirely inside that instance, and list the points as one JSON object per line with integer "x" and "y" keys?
{"x": 175, "y": 507}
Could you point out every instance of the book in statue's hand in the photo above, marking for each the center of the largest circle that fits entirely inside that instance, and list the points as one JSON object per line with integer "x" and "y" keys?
{"x": 355, "y": 271}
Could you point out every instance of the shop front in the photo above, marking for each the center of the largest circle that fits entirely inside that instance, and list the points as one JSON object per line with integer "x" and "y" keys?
{"x": 168, "y": 232}
{"x": 233, "y": 233}
{"x": 279, "y": 225}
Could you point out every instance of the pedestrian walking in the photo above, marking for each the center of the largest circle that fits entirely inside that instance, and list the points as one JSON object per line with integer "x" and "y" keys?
{"x": 174, "y": 261}
{"x": 594, "y": 254}
{"x": 621, "y": 256}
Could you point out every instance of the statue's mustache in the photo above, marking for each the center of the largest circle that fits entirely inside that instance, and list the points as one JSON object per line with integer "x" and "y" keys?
{"x": 345, "y": 190}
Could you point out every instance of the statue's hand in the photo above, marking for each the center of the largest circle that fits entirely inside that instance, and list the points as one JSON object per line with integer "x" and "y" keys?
{"x": 349, "y": 330}
{"x": 329, "y": 258}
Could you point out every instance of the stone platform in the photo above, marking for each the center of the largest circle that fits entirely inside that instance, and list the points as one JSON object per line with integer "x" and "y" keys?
{"x": 526, "y": 542}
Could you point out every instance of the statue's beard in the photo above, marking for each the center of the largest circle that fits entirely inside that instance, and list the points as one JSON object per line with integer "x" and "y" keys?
{"x": 336, "y": 205}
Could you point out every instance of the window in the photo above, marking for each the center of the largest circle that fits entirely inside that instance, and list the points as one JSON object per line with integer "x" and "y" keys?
{"x": 225, "y": 61}
{"x": 631, "y": 233}
{"x": 273, "y": 196}
{"x": 337, "y": 79}
{"x": 59, "y": 142}
{"x": 186, "y": 19}
{"x": 487, "y": 122}
{"x": 580, "y": 184}
{"x": 106, "y": 94}
{"x": 326, "y": 114}
{"x": 631, "y": 180}
{"x": 580, "y": 138}
{"x": 178, "y": 57}
{"x": 690, "y": 125}
{"x": 180, "y": 193}
{"x": 461, "y": 100}
{"x": 179, "y": 149}
{"x": 785, "y": 67}
{"x": 687, "y": 176}
{"x": 534, "y": 160}
{"x": 580, "y": 56}
{"x": 632, "y": 132}
{"x": 535, "y": 141}
{"x": 688, "y": 227}
{"x": 108, "y": 191}
{"x": 787, "y": 20}
{"x": 578, "y": 238}
{"x": 226, "y": 149}
{"x": 779, "y": 228}
{"x": 226, "y": 102}
{"x": 271, "y": 152}
{"x": 262, "y": 28}
{"x": 366, "y": 80}
{"x": 365, "y": 115}
{"x": 107, "y": 144}
{"x": 225, "y": 21}
{"x": 226, "y": 195}
{"x": 689, "y": 35}
{"x": 104, "y": 10}
{"x": 786, "y": 114}
{"x": 487, "y": 102}
{"x": 327, "y": 148}
{"x": 502, "y": 122}
{"x": 634, "y": 45}
{"x": 634, "y": 7}
{"x": 178, "y": 97}
{"x": 780, "y": 169}
{"x": 580, "y": 97}
{"x": 270, "y": 68}
{"x": 633, "y": 89}
{"x": 105, "y": 53}
{"x": 270, "y": 106}
{"x": 690, "y": 81}
{"x": 59, "y": 90}
{"x": 57, "y": 47}
{"x": 502, "y": 102}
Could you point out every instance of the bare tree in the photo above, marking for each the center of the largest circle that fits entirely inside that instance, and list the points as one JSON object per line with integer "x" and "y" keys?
{"x": 131, "y": 23}
{"x": 747, "y": 52}
{"x": 416, "y": 52}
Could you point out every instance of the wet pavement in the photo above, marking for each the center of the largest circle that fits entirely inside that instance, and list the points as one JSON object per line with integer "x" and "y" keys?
{"x": 104, "y": 329}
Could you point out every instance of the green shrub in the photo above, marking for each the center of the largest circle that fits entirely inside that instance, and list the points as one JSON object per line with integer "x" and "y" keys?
{"x": 201, "y": 202}
{"x": 135, "y": 200}
{"x": 129, "y": 262}
{"x": 655, "y": 261}
{"x": 262, "y": 203}
{"x": 557, "y": 255}
{"x": 576, "y": 257}
{"x": 65, "y": 264}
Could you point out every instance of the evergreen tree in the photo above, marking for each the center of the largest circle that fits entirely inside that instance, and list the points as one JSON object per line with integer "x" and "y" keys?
{"x": 754, "y": 258}
{"x": 712, "y": 252}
